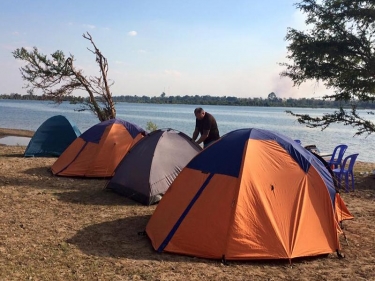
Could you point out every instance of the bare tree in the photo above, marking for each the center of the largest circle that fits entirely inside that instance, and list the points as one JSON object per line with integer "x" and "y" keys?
{"x": 57, "y": 77}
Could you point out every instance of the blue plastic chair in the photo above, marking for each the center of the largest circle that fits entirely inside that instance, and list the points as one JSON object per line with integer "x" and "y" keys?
{"x": 346, "y": 172}
{"x": 337, "y": 155}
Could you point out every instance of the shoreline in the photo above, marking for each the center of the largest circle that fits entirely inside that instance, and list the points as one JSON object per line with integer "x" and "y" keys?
{"x": 367, "y": 168}
{"x": 364, "y": 167}
{"x": 6, "y": 132}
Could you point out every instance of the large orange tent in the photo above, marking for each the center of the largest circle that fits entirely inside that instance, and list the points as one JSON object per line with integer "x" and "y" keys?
{"x": 253, "y": 194}
{"x": 97, "y": 152}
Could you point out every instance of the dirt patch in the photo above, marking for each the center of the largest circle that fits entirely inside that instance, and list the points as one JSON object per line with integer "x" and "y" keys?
{"x": 55, "y": 228}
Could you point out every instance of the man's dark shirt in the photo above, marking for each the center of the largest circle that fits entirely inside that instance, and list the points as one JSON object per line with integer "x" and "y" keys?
{"x": 208, "y": 123}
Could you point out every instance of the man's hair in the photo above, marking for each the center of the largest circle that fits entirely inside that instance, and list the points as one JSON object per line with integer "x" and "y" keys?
{"x": 198, "y": 110}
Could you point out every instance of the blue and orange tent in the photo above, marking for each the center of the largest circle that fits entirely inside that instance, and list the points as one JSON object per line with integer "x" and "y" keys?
{"x": 52, "y": 137}
{"x": 97, "y": 152}
{"x": 253, "y": 194}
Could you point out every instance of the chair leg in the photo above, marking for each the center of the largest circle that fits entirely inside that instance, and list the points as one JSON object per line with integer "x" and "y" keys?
{"x": 339, "y": 181}
{"x": 347, "y": 182}
{"x": 352, "y": 177}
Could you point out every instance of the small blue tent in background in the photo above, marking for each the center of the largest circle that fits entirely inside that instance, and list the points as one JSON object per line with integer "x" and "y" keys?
{"x": 52, "y": 137}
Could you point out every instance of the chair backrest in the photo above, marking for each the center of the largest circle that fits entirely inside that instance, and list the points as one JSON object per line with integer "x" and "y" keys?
{"x": 351, "y": 158}
{"x": 338, "y": 153}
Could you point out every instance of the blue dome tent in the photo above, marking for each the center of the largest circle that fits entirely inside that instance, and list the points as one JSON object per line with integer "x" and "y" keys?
{"x": 52, "y": 137}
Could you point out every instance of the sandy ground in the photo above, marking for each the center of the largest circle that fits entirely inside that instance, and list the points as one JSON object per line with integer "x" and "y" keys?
{"x": 56, "y": 228}
{"x": 17, "y": 133}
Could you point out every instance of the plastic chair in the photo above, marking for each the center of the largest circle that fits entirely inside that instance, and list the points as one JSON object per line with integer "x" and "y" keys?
{"x": 337, "y": 155}
{"x": 346, "y": 172}
{"x": 298, "y": 141}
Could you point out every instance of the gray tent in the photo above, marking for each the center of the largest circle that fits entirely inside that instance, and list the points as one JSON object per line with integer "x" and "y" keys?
{"x": 149, "y": 168}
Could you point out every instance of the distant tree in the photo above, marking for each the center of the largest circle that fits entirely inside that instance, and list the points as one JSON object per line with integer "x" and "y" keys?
{"x": 162, "y": 95}
{"x": 337, "y": 49}
{"x": 58, "y": 77}
{"x": 272, "y": 96}
{"x": 30, "y": 92}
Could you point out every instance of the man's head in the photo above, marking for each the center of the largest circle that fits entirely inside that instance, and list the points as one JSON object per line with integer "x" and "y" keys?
{"x": 199, "y": 113}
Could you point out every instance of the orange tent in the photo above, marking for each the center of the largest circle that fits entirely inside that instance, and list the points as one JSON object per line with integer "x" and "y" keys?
{"x": 97, "y": 152}
{"x": 253, "y": 194}
{"x": 342, "y": 211}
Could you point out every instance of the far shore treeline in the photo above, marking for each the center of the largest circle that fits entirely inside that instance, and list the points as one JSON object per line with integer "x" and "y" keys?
{"x": 271, "y": 101}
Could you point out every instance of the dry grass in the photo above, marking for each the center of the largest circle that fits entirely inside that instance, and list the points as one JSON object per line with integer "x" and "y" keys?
{"x": 55, "y": 228}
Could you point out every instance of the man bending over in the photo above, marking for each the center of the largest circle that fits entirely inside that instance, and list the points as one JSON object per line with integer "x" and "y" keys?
{"x": 205, "y": 125}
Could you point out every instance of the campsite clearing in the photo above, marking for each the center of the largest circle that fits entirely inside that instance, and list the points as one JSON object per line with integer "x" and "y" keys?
{"x": 59, "y": 228}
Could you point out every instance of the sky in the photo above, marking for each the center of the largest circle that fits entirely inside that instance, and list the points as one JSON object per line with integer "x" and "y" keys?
{"x": 192, "y": 47}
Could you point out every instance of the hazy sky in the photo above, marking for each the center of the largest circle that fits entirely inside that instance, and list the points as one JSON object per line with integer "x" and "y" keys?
{"x": 191, "y": 47}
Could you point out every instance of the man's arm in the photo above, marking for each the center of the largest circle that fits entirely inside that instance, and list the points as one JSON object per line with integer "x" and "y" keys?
{"x": 195, "y": 134}
{"x": 203, "y": 137}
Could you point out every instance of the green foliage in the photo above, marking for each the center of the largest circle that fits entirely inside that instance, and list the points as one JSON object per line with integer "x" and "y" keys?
{"x": 348, "y": 118}
{"x": 272, "y": 96}
{"x": 337, "y": 49}
{"x": 211, "y": 100}
{"x": 45, "y": 74}
{"x": 151, "y": 126}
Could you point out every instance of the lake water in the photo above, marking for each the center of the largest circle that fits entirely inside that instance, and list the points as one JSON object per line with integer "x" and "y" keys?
{"x": 30, "y": 115}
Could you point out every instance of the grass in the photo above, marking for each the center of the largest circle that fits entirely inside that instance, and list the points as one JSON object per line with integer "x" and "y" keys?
{"x": 55, "y": 228}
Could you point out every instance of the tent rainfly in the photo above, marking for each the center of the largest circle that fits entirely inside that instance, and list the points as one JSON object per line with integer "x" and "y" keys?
{"x": 149, "y": 168}
{"x": 97, "y": 152}
{"x": 253, "y": 194}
